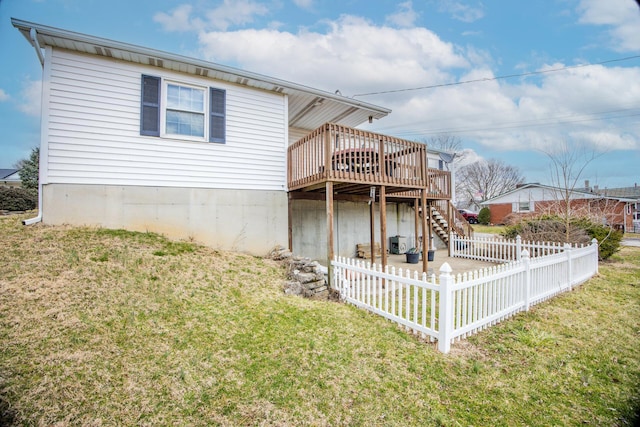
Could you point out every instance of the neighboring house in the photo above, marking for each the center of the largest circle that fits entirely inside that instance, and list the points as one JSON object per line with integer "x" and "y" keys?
{"x": 147, "y": 140}
{"x": 537, "y": 199}
{"x": 10, "y": 178}
{"x": 630, "y": 193}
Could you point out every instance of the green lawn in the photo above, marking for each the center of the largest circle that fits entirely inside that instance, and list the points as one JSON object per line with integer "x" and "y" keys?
{"x": 104, "y": 327}
{"x": 490, "y": 229}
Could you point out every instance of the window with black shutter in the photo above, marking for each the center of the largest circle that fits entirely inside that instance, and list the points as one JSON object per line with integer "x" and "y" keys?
{"x": 182, "y": 111}
{"x": 150, "y": 108}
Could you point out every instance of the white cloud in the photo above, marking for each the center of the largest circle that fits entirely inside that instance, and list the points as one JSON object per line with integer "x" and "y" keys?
{"x": 229, "y": 13}
{"x": 235, "y": 12}
{"x": 352, "y": 55}
{"x": 357, "y": 56}
{"x": 178, "y": 20}
{"x": 4, "y": 96}
{"x": 593, "y": 106}
{"x": 31, "y": 97}
{"x": 404, "y": 17}
{"x": 606, "y": 140}
{"x": 461, "y": 11}
{"x": 304, "y": 4}
{"x": 622, "y": 16}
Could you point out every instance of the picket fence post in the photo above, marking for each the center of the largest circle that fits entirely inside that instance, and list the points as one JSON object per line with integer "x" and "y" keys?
{"x": 596, "y": 255}
{"x": 518, "y": 247}
{"x": 567, "y": 249}
{"x": 527, "y": 278}
{"x": 336, "y": 272}
{"x": 445, "y": 314}
{"x": 452, "y": 252}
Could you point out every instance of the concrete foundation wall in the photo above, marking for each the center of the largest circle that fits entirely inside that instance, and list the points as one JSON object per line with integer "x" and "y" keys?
{"x": 351, "y": 226}
{"x": 241, "y": 220}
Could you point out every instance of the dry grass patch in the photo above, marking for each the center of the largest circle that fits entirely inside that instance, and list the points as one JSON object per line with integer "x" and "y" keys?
{"x": 103, "y": 327}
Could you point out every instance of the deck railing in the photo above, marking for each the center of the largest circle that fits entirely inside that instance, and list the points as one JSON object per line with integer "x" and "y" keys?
{"x": 339, "y": 153}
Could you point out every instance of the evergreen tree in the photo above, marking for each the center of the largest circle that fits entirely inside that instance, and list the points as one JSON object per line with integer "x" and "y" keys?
{"x": 29, "y": 170}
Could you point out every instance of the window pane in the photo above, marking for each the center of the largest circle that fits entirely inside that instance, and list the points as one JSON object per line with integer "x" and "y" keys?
{"x": 183, "y": 123}
{"x": 185, "y": 98}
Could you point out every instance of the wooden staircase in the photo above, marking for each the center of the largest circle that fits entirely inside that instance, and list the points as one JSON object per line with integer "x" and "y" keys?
{"x": 439, "y": 224}
{"x": 445, "y": 218}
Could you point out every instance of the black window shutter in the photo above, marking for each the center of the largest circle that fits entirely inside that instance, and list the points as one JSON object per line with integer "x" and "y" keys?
{"x": 150, "y": 108}
{"x": 217, "y": 115}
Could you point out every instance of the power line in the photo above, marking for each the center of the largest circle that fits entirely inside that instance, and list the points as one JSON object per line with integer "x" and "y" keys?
{"x": 527, "y": 123}
{"x": 508, "y": 76}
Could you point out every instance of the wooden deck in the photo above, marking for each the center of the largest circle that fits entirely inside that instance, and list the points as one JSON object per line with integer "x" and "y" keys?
{"x": 355, "y": 160}
{"x": 336, "y": 162}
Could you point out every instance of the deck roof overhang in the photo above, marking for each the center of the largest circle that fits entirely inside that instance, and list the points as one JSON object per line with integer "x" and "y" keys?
{"x": 308, "y": 107}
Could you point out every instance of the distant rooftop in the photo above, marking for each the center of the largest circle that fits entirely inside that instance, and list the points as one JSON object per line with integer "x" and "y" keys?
{"x": 626, "y": 192}
{"x": 5, "y": 173}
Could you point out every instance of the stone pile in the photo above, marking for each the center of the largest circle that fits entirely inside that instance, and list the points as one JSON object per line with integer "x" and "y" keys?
{"x": 305, "y": 277}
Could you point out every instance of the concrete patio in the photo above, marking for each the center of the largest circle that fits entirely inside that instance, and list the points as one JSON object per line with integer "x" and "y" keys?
{"x": 459, "y": 265}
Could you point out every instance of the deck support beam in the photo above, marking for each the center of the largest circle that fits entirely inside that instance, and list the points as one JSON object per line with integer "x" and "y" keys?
{"x": 425, "y": 232}
{"x": 383, "y": 225}
{"x": 290, "y": 222}
{"x": 372, "y": 226}
{"x": 416, "y": 214}
{"x": 329, "y": 206}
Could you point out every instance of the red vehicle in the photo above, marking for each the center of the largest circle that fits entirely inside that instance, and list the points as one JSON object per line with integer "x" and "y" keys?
{"x": 471, "y": 217}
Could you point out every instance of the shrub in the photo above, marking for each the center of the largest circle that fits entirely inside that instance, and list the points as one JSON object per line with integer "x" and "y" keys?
{"x": 609, "y": 239}
{"x": 17, "y": 199}
{"x": 484, "y": 216}
{"x": 553, "y": 229}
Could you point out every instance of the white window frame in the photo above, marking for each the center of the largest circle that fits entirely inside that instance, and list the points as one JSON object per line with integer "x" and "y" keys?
{"x": 164, "y": 107}
{"x": 517, "y": 207}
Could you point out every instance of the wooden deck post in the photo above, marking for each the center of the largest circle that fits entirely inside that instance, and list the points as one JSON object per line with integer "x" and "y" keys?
{"x": 429, "y": 225}
{"x": 425, "y": 233}
{"x": 424, "y": 169}
{"x": 416, "y": 214}
{"x": 328, "y": 151}
{"x": 329, "y": 206}
{"x": 383, "y": 225}
{"x": 290, "y": 222}
{"x": 372, "y": 226}
{"x": 451, "y": 221}
{"x": 382, "y": 161}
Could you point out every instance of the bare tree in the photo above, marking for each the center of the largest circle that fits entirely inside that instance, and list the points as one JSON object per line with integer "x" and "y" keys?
{"x": 445, "y": 142}
{"x": 485, "y": 179}
{"x": 567, "y": 166}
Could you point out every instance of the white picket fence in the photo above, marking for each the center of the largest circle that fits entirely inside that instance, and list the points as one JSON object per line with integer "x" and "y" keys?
{"x": 454, "y": 307}
{"x": 498, "y": 249}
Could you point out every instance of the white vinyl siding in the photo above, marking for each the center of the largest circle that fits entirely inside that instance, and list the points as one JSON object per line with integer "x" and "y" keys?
{"x": 94, "y": 132}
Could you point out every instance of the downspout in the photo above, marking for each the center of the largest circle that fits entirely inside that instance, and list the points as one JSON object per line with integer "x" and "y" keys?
{"x": 38, "y": 218}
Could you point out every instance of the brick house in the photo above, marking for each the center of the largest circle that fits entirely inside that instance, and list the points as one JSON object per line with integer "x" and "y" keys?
{"x": 537, "y": 199}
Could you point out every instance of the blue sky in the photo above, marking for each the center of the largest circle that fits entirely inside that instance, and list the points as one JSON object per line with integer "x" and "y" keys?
{"x": 402, "y": 55}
